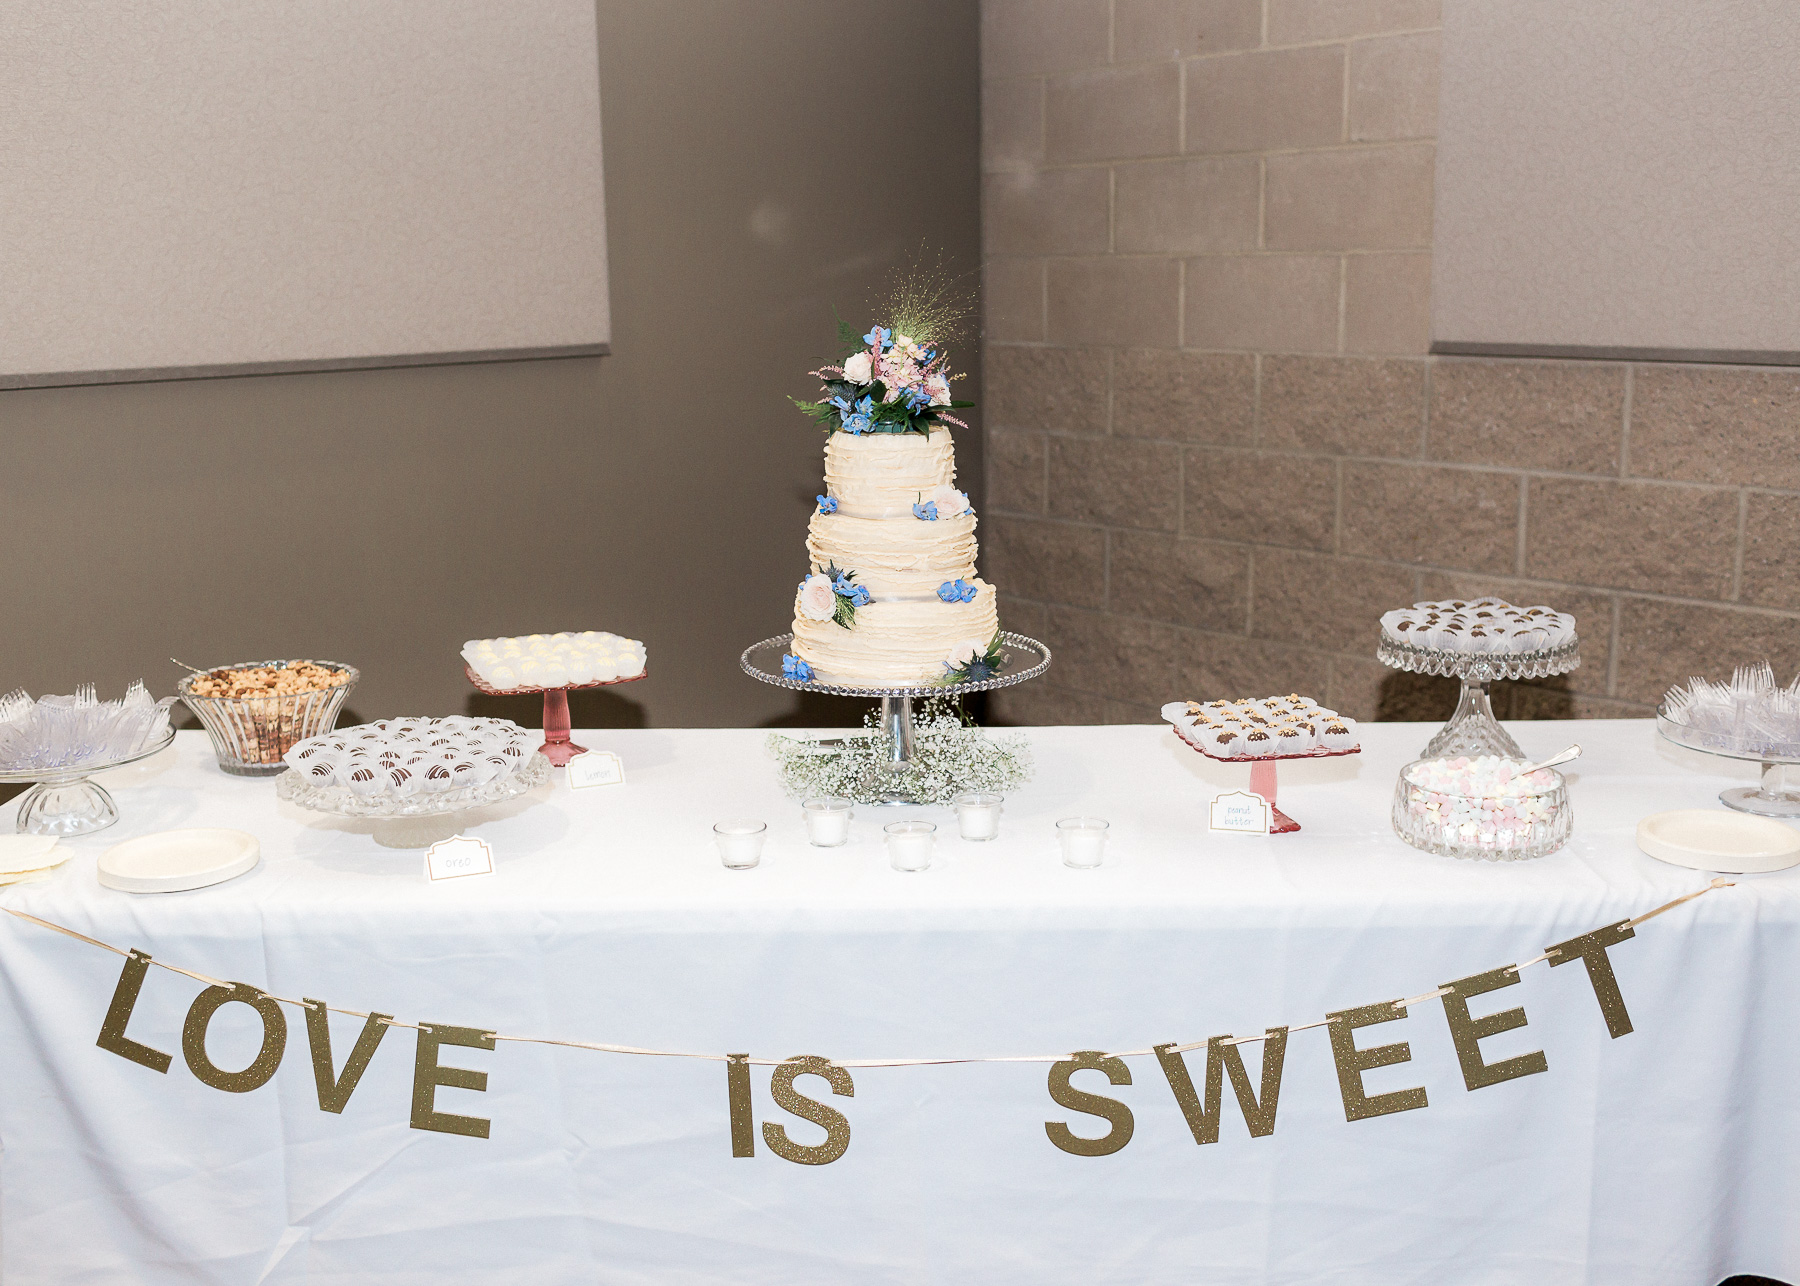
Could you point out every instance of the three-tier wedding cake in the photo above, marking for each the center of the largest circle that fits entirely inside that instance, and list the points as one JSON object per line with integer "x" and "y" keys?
{"x": 891, "y": 599}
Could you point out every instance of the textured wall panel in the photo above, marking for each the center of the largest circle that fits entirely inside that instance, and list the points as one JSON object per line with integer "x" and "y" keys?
{"x": 1620, "y": 176}
{"x": 263, "y": 184}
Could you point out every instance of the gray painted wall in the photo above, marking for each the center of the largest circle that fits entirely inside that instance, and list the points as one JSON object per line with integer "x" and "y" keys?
{"x": 764, "y": 164}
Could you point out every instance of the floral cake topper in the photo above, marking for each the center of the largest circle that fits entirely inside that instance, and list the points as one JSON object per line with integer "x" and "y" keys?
{"x": 896, "y": 378}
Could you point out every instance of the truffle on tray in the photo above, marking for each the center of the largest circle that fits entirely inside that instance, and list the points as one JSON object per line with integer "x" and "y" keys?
{"x": 1478, "y": 625}
{"x": 1265, "y": 728}
{"x": 400, "y": 758}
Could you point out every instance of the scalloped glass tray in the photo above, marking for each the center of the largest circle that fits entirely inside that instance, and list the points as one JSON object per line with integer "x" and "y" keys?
{"x": 763, "y": 661}
{"x": 1480, "y": 667}
{"x": 344, "y": 802}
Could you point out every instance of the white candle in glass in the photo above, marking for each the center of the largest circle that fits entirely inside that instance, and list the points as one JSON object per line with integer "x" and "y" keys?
{"x": 1083, "y": 841}
{"x": 740, "y": 843}
{"x": 827, "y": 821}
{"x": 978, "y": 815}
{"x": 910, "y": 845}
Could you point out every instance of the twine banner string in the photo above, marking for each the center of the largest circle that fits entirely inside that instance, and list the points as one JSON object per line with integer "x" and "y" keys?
{"x": 605, "y": 1048}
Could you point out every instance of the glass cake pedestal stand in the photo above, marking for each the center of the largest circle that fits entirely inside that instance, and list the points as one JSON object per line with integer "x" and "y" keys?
{"x": 64, "y": 802}
{"x": 1778, "y": 793}
{"x": 418, "y": 821}
{"x": 557, "y": 747}
{"x": 1021, "y": 659}
{"x": 1262, "y": 775}
{"x": 1473, "y": 730}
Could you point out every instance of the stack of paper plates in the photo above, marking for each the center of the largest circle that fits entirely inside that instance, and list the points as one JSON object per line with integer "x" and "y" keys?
{"x": 1712, "y": 839}
{"x": 27, "y": 859}
{"x": 170, "y": 861}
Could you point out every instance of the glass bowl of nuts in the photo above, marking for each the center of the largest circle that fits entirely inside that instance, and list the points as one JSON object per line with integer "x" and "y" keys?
{"x": 255, "y": 711}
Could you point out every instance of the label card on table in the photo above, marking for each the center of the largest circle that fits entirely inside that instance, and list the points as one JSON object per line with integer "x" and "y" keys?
{"x": 596, "y": 768}
{"x": 1240, "y": 811}
{"x": 459, "y": 858}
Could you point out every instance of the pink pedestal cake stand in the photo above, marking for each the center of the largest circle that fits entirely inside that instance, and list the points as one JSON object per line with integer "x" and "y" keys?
{"x": 1262, "y": 775}
{"x": 557, "y": 747}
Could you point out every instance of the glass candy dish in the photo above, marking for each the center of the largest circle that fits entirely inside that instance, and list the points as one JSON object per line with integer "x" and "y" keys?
{"x": 1473, "y": 729}
{"x": 1475, "y": 816}
{"x": 415, "y": 821}
{"x": 1021, "y": 658}
{"x": 251, "y": 734}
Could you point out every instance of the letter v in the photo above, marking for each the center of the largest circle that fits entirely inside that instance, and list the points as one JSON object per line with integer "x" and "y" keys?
{"x": 335, "y": 1091}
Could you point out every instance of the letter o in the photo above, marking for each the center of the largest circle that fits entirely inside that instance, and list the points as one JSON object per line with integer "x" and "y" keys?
{"x": 199, "y": 1018}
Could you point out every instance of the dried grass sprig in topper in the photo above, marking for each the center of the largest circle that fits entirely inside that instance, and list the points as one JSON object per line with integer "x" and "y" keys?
{"x": 927, "y": 302}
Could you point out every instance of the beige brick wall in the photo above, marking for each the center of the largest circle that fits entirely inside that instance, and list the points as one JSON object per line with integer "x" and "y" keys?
{"x": 1216, "y": 449}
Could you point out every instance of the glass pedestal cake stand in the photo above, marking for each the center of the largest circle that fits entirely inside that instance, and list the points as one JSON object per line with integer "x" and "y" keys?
{"x": 1022, "y": 658}
{"x": 65, "y": 802}
{"x": 1262, "y": 775}
{"x": 557, "y": 747}
{"x": 417, "y": 821}
{"x": 1778, "y": 793}
{"x": 1473, "y": 730}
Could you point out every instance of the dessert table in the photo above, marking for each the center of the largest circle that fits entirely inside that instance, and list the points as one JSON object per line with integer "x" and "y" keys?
{"x": 1661, "y": 1156}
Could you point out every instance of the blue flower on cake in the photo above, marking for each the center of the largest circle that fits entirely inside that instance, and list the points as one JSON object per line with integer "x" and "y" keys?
{"x": 792, "y": 667}
{"x": 926, "y": 512}
{"x": 827, "y": 504}
{"x": 957, "y": 591}
{"x": 876, "y": 336}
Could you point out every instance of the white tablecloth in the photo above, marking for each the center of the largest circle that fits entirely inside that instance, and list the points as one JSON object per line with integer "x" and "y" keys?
{"x": 1666, "y": 1156}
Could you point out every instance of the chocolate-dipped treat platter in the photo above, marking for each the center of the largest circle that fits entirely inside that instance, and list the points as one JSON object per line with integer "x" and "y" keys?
{"x": 1478, "y": 642}
{"x": 1010, "y": 659}
{"x": 1750, "y": 719}
{"x": 1262, "y": 732}
{"x": 555, "y": 665}
{"x": 413, "y": 777}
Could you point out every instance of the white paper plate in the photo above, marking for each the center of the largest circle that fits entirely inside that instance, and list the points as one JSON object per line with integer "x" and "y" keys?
{"x": 1714, "y": 839}
{"x": 170, "y": 861}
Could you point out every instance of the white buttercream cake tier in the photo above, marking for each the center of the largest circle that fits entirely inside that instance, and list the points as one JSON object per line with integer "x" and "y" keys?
{"x": 895, "y": 555}
{"x": 878, "y": 475}
{"x": 894, "y": 644}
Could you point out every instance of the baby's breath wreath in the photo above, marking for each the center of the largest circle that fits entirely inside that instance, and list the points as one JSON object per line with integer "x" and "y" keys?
{"x": 950, "y": 756}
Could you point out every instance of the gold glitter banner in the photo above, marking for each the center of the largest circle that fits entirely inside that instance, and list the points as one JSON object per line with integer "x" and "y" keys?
{"x": 1256, "y": 1101}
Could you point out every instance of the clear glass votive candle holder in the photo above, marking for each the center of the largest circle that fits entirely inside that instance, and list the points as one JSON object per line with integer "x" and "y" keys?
{"x": 978, "y": 815}
{"x": 1083, "y": 841}
{"x": 910, "y": 844}
{"x": 740, "y": 842}
{"x": 827, "y": 820}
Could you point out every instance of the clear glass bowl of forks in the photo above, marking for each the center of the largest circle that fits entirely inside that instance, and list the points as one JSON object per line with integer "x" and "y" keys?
{"x": 58, "y": 743}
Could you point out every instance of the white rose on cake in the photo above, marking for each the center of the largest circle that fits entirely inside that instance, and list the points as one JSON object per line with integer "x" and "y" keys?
{"x": 860, "y": 369}
{"x": 949, "y": 501}
{"x": 962, "y": 653}
{"x": 817, "y": 599}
